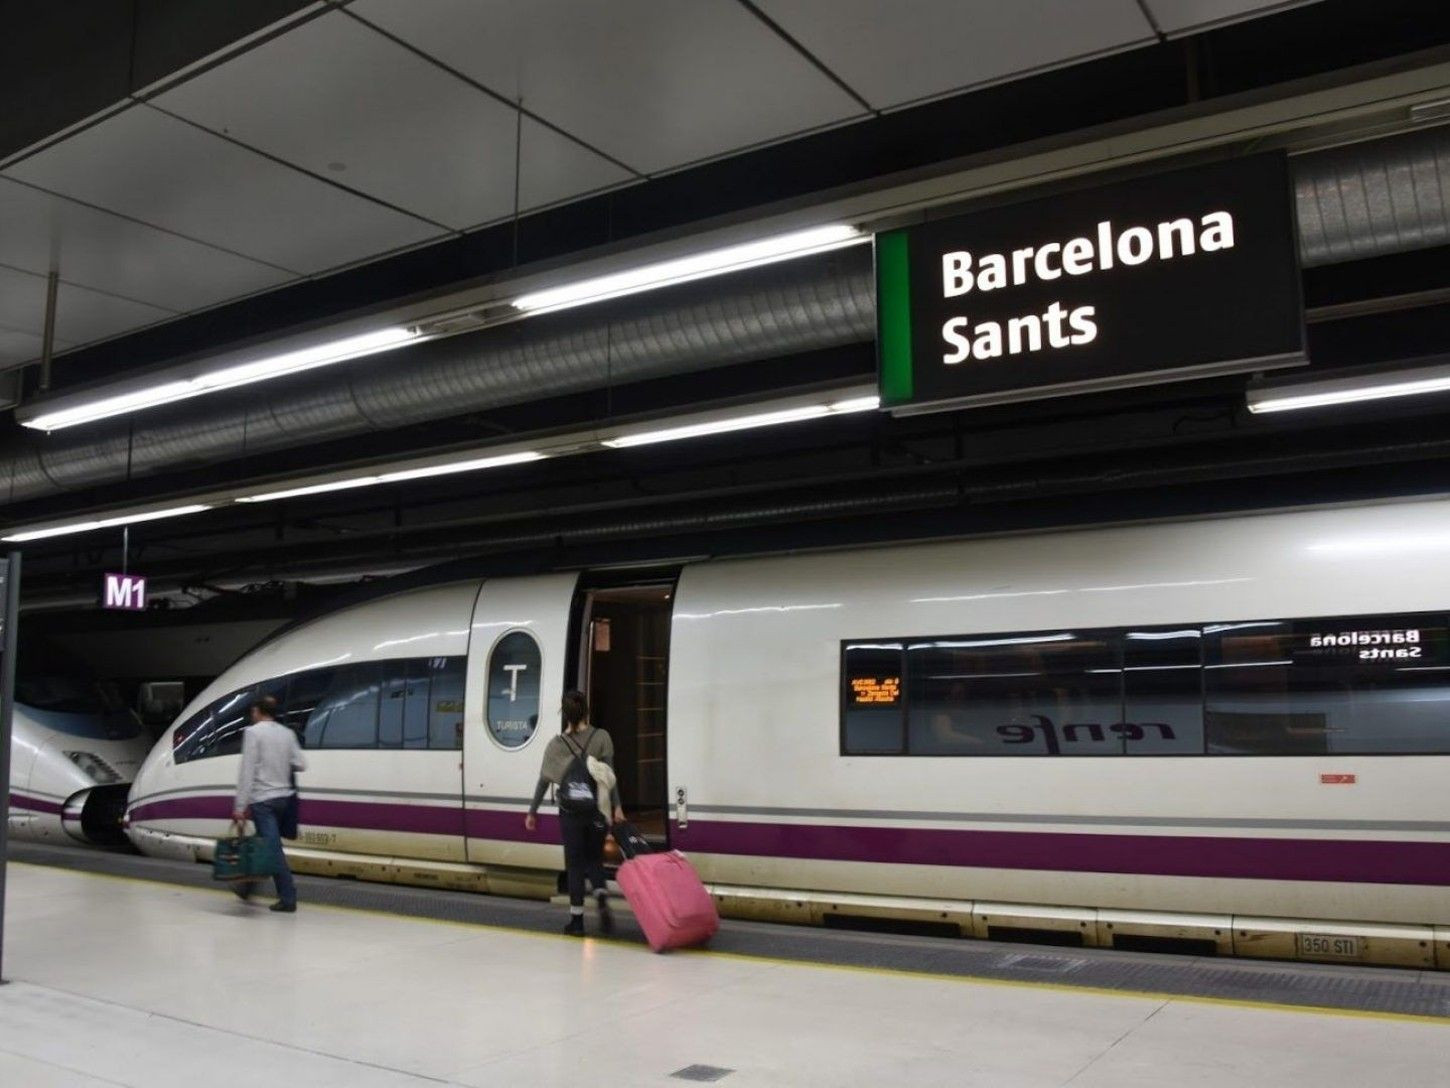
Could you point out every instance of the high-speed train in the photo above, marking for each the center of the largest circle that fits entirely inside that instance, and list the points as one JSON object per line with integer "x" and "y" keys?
{"x": 1233, "y": 732}
{"x": 74, "y": 751}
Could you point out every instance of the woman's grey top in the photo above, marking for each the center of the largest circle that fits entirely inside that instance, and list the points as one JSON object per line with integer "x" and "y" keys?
{"x": 559, "y": 754}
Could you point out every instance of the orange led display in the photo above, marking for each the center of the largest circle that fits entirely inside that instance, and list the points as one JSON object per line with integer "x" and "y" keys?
{"x": 874, "y": 691}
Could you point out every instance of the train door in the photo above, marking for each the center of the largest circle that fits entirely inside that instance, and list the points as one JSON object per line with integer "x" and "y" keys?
{"x": 623, "y": 668}
{"x": 518, "y": 657}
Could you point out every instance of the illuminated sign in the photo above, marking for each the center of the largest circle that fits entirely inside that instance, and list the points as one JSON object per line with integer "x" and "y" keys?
{"x": 875, "y": 691}
{"x": 1179, "y": 275}
{"x": 124, "y": 592}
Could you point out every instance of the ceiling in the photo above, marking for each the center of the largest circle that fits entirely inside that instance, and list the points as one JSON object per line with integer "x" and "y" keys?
{"x": 374, "y": 126}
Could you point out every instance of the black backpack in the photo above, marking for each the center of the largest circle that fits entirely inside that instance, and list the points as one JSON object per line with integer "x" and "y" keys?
{"x": 578, "y": 792}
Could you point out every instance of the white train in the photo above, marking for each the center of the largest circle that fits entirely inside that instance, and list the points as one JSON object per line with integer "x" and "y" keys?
{"x": 1233, "y": 731}
{"x": 74, "y": 752}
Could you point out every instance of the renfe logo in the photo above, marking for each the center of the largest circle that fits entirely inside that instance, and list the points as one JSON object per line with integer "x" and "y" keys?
{"x": 126, "y": 592}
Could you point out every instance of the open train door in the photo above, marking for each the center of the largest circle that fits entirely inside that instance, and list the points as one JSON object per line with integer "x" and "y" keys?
{"x": 518, "y": 655}
{"x": 622, "y": 643}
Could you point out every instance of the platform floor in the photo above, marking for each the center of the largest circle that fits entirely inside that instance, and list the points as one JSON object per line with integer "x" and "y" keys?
{"x": 123, "y": 981}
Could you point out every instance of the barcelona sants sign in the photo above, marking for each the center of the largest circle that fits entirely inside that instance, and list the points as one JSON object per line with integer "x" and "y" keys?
{"x": 1179, "y": 275}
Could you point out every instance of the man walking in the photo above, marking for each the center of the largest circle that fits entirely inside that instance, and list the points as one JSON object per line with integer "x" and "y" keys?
{"x": 267, "y": 788}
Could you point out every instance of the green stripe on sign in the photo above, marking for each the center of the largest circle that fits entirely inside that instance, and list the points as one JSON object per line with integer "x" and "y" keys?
{"x": 893, "y": 317}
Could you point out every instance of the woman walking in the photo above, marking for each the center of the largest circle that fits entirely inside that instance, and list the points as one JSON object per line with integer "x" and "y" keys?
{"x": 582, "y": 820}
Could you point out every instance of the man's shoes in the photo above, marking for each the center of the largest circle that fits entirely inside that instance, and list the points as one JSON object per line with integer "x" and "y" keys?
{"x": 242, "y": 889}
{"x": 575, "y": 928}
{"x": 280, "y": 907}
{"x": 606, "y": 918}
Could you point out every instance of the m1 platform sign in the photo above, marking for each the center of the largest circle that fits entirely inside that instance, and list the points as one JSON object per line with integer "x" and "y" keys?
{"x": 124, "y": 593}
{"x": 1180, "y": 275}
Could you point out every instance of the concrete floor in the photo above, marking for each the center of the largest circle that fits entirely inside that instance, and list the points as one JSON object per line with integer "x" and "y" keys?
{"x": 126, "y": 982}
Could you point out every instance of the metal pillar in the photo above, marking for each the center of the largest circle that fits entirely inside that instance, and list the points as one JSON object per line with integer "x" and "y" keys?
{"x": 10, "y": 642}
{"x": 47, "y": 343}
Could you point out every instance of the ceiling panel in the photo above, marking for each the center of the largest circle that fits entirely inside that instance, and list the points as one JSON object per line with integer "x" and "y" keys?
{"x": 341, "y": 99}
{"x": 21, "y": 347}
{"x": 1186, "y": 16}
{"x": 893, "y": 53}
{"x": 554, "y": 169}
{"x": 166, "y": 172}
{"x": 95, "y": 249}
{"x": 653, "y": 83}
{"x": 81, "y": 315}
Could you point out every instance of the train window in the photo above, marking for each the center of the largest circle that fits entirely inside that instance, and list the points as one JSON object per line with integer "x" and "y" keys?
{"x": 347, "y": 715}
{"x": 445, "y": 705}
{"x": 304, "y": 691}
{"x": 872, "y": 716}
{"x": 400, "y": 701}
{"x": 215, "y": 730}
{"x": 1050, "y": 693}
{"x": 1163, "y": 692}
{"x": 511, "y": 699}
{"x": 1364, "y": 685}
{"x": 78, "y": 707}
{"x": 1360, "y": 685}
{"x": 63, "y": 694}
{"x": 403, "y": 714}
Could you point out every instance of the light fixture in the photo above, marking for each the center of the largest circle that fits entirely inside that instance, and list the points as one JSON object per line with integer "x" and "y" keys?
{"x": 842, "y": 401}
{"x": 715, "y": 262}
{"x": 71, "y": 411}
{"x": 102, "y": 523}
{"x": 1362, "y": 385}
{"x": 449, "y": 468}
{"x": 422, "y": 472}
{"x": 312, "y": 489}
{"x": 744, "y": 422}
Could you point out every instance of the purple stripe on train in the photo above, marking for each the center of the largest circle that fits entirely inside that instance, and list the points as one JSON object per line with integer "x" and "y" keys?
{"x": 36, "y": 804}
{"x": 1357, "y": 861}
{"x": 368, "y": 816}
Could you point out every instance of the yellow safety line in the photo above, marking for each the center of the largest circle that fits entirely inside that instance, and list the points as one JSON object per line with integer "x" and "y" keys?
{"x": 779, "y": 961}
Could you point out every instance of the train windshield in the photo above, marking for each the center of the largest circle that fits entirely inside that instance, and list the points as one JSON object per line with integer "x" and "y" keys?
{"x": 76, "y": 706}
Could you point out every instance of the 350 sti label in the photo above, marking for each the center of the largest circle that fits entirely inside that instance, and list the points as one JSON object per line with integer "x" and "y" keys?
{"x": 1325, "y": 946}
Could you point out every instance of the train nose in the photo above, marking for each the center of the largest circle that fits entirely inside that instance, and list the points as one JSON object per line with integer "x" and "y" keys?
{"x": 95, "y": 816}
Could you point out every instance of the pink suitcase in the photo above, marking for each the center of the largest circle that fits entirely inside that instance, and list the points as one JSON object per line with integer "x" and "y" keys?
{"x": 672, "y": 906}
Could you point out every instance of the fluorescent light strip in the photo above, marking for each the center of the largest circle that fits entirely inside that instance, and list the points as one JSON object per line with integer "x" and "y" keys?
{"x": 521, "y": 458}
{"x": 292, "y": 362}
{"x": 1324, "y": 394}
{"x": 744, "y": 423}
{"x": 715, "y": 262}
{"x": 846, "y": 406}
{"x": 425, "y": 472}
{"x": 661, "y": 274}
{"x": 313, "y": 489}
{"x": 103, "y": 523}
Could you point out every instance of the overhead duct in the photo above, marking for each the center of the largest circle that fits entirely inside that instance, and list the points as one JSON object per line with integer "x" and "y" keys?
{"x": 1364, "y": 200}
{"x": 784, "y": 309}
{"x": 1373, "y": 199}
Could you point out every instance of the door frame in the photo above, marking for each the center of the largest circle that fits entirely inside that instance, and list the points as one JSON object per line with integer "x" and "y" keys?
{"x": 664, "y": 576}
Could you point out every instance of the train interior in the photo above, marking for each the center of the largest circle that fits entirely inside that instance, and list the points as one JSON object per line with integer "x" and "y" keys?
{"x": 624, "y": 663}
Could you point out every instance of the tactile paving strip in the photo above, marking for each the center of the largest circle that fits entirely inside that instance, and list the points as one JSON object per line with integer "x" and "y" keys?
{"x": 1361, "y": 989}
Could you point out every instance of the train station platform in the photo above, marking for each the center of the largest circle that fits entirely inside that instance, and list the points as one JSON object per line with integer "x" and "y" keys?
{"x": 129, "y": 971}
